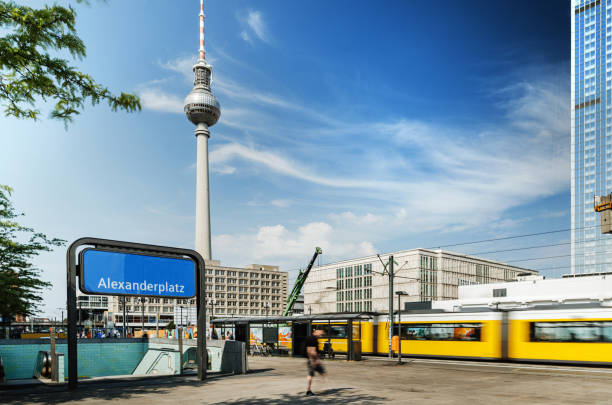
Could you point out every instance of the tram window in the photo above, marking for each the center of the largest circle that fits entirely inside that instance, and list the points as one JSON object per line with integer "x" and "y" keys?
{"x": 576, "y": 331}
{"x": 441, "y": 331}
{"x": 338, "y": 331}
{"x": 335, "y": 332}
{"x": 322, "y": 327}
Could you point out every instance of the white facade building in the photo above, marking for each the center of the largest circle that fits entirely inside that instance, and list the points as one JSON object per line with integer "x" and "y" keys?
{"x": 358, "y": 285}
{"x": 533, "y": 291}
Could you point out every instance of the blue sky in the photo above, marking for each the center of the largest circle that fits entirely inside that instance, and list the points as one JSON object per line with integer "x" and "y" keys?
{"x": 357, "y": 126}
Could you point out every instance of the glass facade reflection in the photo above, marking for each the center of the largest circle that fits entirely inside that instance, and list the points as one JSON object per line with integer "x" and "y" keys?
{"x": 591, "y": 125}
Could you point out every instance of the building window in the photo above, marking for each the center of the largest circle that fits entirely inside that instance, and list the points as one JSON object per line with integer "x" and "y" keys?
{"x": 499, "y": 292}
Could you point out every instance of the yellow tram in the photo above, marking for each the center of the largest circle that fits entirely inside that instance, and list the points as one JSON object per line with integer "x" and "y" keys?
{"x": 564, "y": 334}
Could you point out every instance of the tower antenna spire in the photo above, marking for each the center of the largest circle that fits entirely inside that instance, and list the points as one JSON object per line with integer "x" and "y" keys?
{"x": 202, "y": 52}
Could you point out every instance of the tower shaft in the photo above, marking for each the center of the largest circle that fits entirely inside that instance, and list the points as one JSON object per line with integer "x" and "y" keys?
{"x": 202, "y": 237}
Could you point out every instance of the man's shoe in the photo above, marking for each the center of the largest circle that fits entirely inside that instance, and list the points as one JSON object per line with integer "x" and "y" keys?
{"x": 309, "y": 393}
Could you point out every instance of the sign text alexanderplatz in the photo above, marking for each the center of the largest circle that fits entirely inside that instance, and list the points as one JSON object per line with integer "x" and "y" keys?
{"x": 117, "y": 273}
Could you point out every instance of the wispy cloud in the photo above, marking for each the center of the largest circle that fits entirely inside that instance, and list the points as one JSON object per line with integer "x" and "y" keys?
{"x": 280, "y": 245}
{"x": 182, "y": 65}
{"x": 158, "y": 100}
{"x": 469, "y": 176}
{"x": 401, "y": 175}
{"x": 281, "y": 203}
{"x": 254, "y": 26}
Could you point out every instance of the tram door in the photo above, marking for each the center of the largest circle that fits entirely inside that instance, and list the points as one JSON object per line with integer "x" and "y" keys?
{"x": 299, "y": 333}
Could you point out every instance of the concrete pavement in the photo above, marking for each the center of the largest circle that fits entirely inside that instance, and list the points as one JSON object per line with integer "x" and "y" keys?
{"x": 282, "y": 381}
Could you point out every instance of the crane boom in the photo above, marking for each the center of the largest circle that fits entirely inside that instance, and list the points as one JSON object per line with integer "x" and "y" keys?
{"x": 299, "y": 283}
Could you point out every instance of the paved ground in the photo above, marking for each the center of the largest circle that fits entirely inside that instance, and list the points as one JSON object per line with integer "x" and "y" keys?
{"x": 282, "y": 380}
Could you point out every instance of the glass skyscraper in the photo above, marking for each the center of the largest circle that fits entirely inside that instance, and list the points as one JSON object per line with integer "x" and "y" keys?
{"x": 591, "y": 126}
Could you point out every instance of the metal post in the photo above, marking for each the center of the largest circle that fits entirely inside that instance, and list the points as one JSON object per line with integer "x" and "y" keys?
{"x": 80, "y": 320}
{"x": 71, "y": 338}
{"x": 53, "y": 358}
{"x": 390, "y": 323}
{"x": 180, "y": 344}
{"x": 181, "y": 317}
{"x": 350, "y": 354}
{"x": 201, "y": 352}
{"x": 124, "y": 319}
{"x": 142, "y": 302}
{"x": 157, "y": 323}
{"x": 399, "y": 328}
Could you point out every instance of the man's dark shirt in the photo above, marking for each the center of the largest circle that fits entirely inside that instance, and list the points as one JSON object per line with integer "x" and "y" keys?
{"x": 312, "y": 341}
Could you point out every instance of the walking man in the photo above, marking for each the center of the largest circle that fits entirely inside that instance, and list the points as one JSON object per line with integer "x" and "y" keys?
{"x": 314, "y": 361}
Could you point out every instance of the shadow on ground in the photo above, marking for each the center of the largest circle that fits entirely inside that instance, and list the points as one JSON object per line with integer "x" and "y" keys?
{"x": 331, "y": 396}
{"x": 101, "y": 390}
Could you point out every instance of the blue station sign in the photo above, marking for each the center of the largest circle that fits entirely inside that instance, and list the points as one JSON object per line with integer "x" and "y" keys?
{"x": 119, "y": 273}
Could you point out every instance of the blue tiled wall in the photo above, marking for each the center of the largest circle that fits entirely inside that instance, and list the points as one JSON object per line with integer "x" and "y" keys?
{"x": 97, "y": 357}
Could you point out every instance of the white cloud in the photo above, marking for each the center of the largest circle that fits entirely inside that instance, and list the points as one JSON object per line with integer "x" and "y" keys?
{"x": 182, "y": 65}
{"x": 275, "y": 244}
{"x": 254, "y": 23}
{"x": 223, "y": 169}
{"x": 438, "y": 177}
{"x": 277, "y": 163}
{"x": 245, "y": 35}
{"x": 281, "y": 203}
{"x": 158, "y": 100}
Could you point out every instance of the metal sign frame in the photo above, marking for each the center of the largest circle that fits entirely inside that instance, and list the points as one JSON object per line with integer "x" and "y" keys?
{"x": 73, "y": 270}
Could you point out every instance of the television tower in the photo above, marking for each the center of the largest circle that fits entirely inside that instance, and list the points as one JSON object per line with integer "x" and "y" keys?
{"x": 203, "y": 109}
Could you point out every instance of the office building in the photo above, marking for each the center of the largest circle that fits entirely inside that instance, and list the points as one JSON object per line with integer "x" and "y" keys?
{"x": 254, "y": 290}
{"x": 359, "y": 285}
{"x": 591, "y": 130}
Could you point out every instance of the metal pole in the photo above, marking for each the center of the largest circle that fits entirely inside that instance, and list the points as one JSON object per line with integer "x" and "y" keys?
{"x": 157, "y": 323}
{"x": 124, "y": 319}
{"x": 201, "y": 322}
{"x": 142, "y": 302}
{"x": 350, "y": 354}
{"x": 71, "y": 300}
{"x": 399, "y": 329}
{"x": 180, "y": 353}
{"x": 390, "y": 270}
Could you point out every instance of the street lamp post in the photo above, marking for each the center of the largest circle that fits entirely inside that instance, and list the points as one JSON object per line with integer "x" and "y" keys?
{"x": 157, "y": 321}
{"x": 399, "y": 326}
{"x": 124, "y": 317}
{"x": 142, "y": 302}
{"x": 212, "y": 310}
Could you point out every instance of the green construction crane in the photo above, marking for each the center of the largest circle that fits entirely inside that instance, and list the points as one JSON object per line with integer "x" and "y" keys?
{"x": 299, "y": 283}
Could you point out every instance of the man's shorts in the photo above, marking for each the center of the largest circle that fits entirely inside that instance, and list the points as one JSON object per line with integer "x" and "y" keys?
{"x": 318, "y": 368}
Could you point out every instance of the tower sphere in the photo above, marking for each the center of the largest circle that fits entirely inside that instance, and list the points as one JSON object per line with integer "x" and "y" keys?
{"x": 201, "y": 106}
